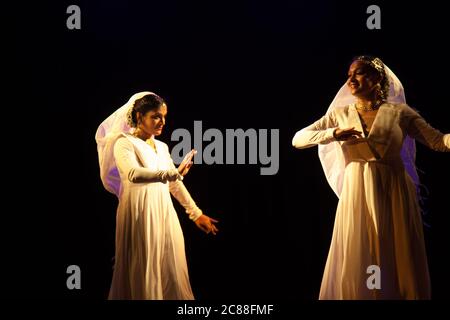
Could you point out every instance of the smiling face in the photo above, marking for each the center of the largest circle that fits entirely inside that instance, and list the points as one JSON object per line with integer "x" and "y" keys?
{"x": 362, "y": 80}
{"x": 153, "y": 121}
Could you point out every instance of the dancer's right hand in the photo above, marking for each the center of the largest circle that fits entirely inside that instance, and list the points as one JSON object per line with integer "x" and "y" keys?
{"x": 346, "y": 134}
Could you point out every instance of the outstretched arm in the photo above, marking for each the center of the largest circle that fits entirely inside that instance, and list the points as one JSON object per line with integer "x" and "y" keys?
{"x": 179, "y": 191}
{"x": 420, "y": 130}
{"x": 205, "y": 223}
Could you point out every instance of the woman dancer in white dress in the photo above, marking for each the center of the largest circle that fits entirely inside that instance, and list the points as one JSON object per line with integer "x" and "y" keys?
{"x": 150, "y": 261}
{"x": 367, "y": 150}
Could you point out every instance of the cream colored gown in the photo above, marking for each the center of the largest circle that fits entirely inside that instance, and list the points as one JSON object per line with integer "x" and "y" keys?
{"x": 378, "y": 219}
{"x": 150, "y": 261}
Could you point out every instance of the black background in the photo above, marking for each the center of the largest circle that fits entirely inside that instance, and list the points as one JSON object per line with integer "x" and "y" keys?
{"x": 249, "y": 64}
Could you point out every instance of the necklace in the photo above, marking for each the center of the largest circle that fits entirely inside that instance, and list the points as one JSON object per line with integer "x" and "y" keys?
{"x": 374, "y": 107}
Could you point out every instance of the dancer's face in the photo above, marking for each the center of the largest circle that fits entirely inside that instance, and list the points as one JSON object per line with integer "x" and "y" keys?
{"x": 361, "y": 80}
{"x": 153, "y": 121}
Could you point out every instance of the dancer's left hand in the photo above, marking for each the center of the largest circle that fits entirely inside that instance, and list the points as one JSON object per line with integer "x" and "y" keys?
{"x": 206, "y": 224}
{"x": 187, "y": 162}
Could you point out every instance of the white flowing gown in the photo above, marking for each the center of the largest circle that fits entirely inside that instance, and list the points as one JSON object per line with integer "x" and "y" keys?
{"x": 150, "y": 261}
{"x": 378, "y": 220}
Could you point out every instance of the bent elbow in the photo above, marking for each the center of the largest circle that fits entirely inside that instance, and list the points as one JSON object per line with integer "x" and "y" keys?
{"x": 297, "y": 141}
{"x": 446, "y": 142}
{"x": 296, "y": 145}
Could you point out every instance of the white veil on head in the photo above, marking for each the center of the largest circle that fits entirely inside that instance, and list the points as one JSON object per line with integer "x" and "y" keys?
{"x": 107, "y": 133}
{"x": 331, "y": 156}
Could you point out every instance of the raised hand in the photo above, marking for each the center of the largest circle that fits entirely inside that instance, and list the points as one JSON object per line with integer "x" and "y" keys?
{"x": 187, "y": 162}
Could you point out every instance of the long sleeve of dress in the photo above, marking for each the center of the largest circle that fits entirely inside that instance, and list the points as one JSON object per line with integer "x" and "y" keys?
{"x": 420, "y": 130}
{"x": 127, "y": 163}
{"x": 320, "y": 132}
{"x": 179, "y": 191}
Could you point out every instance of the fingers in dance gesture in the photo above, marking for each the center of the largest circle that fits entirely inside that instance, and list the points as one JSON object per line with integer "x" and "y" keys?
{"x": 346, "y": 134}
{"x": 187, "y": 162}
{"x": 206, "y": 224}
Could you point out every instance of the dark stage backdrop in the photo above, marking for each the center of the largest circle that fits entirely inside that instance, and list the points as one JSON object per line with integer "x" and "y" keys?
{"x": 250, "y": 64}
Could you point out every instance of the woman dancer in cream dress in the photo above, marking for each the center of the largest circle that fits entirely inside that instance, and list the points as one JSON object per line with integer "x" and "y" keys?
{"x": 366, "y": 145}
{"x": 150, "y": 261}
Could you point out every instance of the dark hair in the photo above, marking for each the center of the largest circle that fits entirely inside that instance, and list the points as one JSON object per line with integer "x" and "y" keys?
{"x": 145, "y": 104}
{"x": 377, "y": 66}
